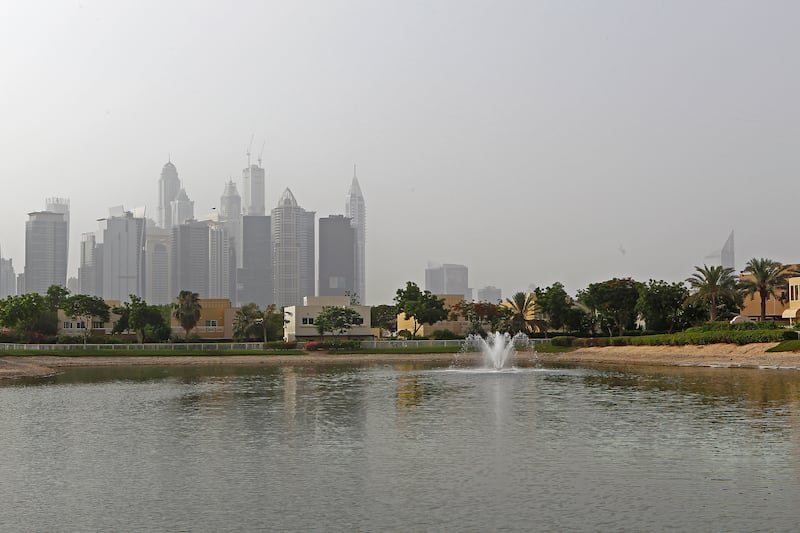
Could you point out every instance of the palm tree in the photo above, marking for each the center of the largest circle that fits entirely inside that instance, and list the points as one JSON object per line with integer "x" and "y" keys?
{"x": 247, "y": 322}
{"x": 767, "y": 278}
{"x": 522, "y": 309}
{"x": 711, "y": 285}
{"x": 187, "y": 310}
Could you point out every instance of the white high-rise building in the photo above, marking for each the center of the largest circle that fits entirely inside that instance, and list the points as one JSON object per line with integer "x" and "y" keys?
{"x": 88, "y": 271}
{"x": 254, "y": 190}
{"x": 123, "y": 255}
{"x": 448, "y": 279}
{"x": 356, "y": 211}
{"x": 230, "y": 215}
{"x": 293, "y": 258}
{"x": 59, "y": 205}
{"x": 8, "y": 279}
{"x": 156, "y": 265}
{"x": 46, "y": 236}
{"x": 182, "y": 209}
{"x": 168, "y": 187}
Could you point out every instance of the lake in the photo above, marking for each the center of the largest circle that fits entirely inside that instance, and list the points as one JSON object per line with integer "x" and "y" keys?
{"x": 401, "y": 448}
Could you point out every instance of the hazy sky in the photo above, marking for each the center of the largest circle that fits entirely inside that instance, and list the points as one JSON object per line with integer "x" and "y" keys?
{"x": 531, "y": 141}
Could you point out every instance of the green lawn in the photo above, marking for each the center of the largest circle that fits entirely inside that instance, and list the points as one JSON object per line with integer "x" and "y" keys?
{"x": 144, "y": 353}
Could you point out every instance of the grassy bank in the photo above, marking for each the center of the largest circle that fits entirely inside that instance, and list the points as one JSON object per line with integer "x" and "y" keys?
{"x": 144, "y": 353}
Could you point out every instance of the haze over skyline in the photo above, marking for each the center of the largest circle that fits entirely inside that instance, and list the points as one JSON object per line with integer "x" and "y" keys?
{"x": 533, "y": 142}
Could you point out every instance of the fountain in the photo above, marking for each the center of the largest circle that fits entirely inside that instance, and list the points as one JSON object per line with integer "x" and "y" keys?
{"x": 498, "y": 349}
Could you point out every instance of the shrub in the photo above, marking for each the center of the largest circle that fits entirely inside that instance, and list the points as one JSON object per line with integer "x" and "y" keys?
{"x": 313, "y": 345}
{"x": 565, "y": 340}
{"x": 444, "y": 335}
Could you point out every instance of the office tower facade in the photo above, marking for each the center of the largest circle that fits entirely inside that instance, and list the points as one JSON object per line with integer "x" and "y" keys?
{"x": 189, "y": 259}
{"x": 123, "y": 256}
{"x": 230, "y": 215}
{"x": 8, "y": 278}
{"x": 59, "y": 205}
{"x": 88, "y": 274}
{"x": 490, "y": 294}
{"x": 293, "y": 258}
{"x": 254, "y": 190}
{"x": 46, "y": 236}
{"x": 254, "y": 278}
{"x": 221, "y": 263}
{"x": 356, "y": 211}
{"x": 337, "y": 256}
{"x": 448, "y": 279}
{"x": 182, "y": 209}
{"x": 168, "y": 187}
{"x": 156, "y": 266}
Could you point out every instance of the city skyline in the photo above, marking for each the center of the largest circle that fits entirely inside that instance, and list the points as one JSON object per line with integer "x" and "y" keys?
{"x": 585, "y": 142}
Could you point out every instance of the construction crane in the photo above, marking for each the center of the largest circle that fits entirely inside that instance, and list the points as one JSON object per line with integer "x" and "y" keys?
{"x": 249, "y": 146}
{"x": 261, "y": 152}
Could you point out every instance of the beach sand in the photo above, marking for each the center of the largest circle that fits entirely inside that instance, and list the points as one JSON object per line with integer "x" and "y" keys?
{"x": 712, "y": 355}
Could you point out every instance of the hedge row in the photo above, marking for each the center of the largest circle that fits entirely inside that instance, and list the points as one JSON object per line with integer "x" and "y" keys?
{"x": 730, "y": 336}
{"x": 332, "y": 345}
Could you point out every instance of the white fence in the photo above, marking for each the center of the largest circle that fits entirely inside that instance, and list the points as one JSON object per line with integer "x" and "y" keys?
{"x": 166, "y": 347}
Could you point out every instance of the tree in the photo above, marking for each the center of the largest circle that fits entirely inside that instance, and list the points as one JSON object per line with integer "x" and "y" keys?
{"x": 480, "y": 315}
{"x": 660, "y": 304}
{"x": 521, "y": 315}
{"x": 187, "y": 310}
{"x": 56, "y": 297}
{"x": 251, "y": 323}
{"x": 338, "y": 320}
{"x": 767, "y": 278}
{"x": 84, "y": 308}
{"x": 614, "y": 301}
{"x": 420, "y": 306}
{"x": 147, "y": 321}
{"x": 23, "y": 313}
{"x": 384, "y": 317}
{"x": 712, "y": 285}
{"x": 554, "y": 303}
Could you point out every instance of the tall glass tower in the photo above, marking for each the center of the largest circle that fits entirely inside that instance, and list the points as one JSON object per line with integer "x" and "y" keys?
{"x": 356, "y": 211}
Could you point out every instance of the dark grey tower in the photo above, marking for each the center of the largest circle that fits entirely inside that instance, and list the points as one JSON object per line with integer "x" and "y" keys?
{"x": 337, "y": 256}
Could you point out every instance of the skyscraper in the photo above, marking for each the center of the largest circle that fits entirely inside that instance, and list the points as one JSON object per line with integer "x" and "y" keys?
{"x": 254, "y": 190}
{"x": 356, "y": 211}
{"x": 189, "y": 259}
{"x": 59, "y": 205}
{"x": 123, "y": 255}
{"x": 88, "y": 274}
{"x": 230, "y": 215}
{"x": 168, "y": 187}
{"x": 156, "y": 266}
{"x": 254, "y": 278}
{"x": 46, "y": 238}
{"x": 8, "y": 279}
{"x": 727, "y": 257}
{"x": 182, "y": 209}
{"x": 448, "y": 279}
{"x": 293, "y": 258}
{"x": 337, "y": 256}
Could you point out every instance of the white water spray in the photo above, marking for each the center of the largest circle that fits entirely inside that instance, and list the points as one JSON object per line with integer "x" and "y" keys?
{"x": 498, "y": 349}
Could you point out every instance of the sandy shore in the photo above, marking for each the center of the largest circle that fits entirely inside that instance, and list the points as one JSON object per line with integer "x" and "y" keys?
{"x": 713, "y": 355}
{"x": 47, "y": 365}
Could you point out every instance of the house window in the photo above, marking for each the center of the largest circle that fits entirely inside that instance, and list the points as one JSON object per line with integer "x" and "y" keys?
{"x": 97, "y": 325}
{"x": 307, "y": 321}
{"x": 67, "y": 325}
{"x": 81, "y": 325}
{"x": 211, "y": 323}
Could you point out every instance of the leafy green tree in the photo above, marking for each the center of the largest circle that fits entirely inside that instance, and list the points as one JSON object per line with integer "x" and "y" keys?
{"x": 422, "y": 307}
{"x": 57, "y": 297}
{"x": 252, "y": 323}
{"x": 187, "y": 310}
{"x": 712, "y": 285}
{"x": 614, "y": 302}
{"x": 767, "y": 278}
{"x": 338, "y": 320}
{"x": 85, "y": 308}
{"x": 147, "y": 321}
{"x": 660, "y": 304}
{"x": 384, "y": 317}
{"x": 577, "y": 319}
{"x": 24, "y": 314}
{"x": 480, "y": 315}
{"x": 554, "y": 303}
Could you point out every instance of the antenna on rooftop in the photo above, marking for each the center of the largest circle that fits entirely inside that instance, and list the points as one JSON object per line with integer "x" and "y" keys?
{"x": 248, "y": 149}
{"x": 261, "y": 152}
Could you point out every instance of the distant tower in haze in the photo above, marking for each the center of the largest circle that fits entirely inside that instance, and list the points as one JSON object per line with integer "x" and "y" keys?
{"x": 123, "y": 255}
{"x": 293, "y": 260}
{"x": 230, "y": 215}
{"x": 727, "y": 258}
{"x": 448, "y": 279}
{"x": 88, "y": 274}
{"x": 356, "y": 211}
{"x": 182, "y": 209}
{"x": 168, "y": 187}
{"x": 337, "y": 256}
{"x": 253, "y": 188}
{"x": 46, "y": 235}
{"x": 59, "y": 205}
{"x": 8, "y": 279}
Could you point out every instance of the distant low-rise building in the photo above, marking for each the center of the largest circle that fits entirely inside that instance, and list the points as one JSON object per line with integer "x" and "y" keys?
{"x": 299, "y": 319}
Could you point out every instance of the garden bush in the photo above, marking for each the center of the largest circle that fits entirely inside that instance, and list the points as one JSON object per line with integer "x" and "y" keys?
{"x": 564, "y": 340}
{"x": 281, "y": 345}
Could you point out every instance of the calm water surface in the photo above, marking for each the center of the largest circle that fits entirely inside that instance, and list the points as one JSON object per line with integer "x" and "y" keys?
{"x": 401, "y": 448}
